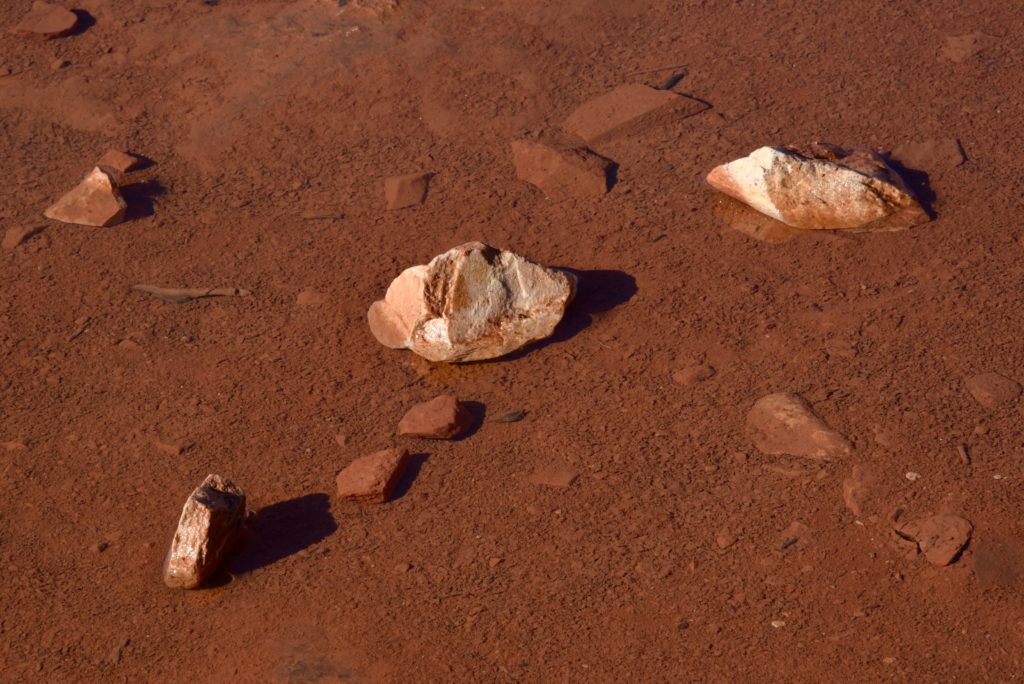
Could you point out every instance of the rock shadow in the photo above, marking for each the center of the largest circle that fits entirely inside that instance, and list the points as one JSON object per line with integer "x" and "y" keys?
{"x": 85, "y": 22}
{"x": 141, "y": 198}
{"x": 596, "y": 292}
{"x": 412, "y": 471}
{"x": 919, "y": 182}
{"x": 282, "y": 529}
{"x": 479, "y": 413}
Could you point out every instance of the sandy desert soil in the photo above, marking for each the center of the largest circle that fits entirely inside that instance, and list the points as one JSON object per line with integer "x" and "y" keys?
{"x": 271, "y": 125}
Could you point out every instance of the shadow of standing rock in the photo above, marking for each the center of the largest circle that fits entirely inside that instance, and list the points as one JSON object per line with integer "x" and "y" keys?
{"x": 283, "y": 529}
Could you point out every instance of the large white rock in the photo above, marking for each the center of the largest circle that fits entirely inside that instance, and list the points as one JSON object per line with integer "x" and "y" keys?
{"x": 471, "y": 303}
{"x": 821, "y": 187}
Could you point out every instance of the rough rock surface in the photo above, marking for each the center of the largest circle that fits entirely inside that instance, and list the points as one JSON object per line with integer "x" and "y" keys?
{"x": 406, "y": 191}
{"x": 821, "y": 187}
{"x": 443, "y": 417}
{"x": 122, "y": 162}
{"x": 207, "y": 531}
{"x": 940, "y": 538}
{"x": 47, "y": 21}
{"x": 561, "y": 171}
{"x": 373, "y": 477}
{"x": 784, "y": 423}
{"x": 992, "y": 389}
{"x": 624, "y": 107}
{"x": 471, "y": 303}
{"x": 96, "y": 201}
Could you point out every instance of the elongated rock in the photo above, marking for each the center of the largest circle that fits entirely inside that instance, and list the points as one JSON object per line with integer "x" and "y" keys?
{"x": 626, "y": 107}
{"x": 96, "y": 201}
{"x": 372, "y": 478}
{"x": 784, "y": 423}
{"x": 471, "y": 303}
{"x": 207, "y": 531}
{"x": 821, "y": 187}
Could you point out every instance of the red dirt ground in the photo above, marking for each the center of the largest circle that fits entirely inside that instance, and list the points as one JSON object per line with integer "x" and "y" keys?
{"x": 262, "y": 115}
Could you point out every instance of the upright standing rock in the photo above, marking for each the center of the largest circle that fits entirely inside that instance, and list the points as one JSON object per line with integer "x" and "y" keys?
{"x": 471, "y": 303}
{"x": 96, "y": 201}
{"x": 784, "y": 423}
{"x": 207, "y": 530}
{"x": 821, "y": 187}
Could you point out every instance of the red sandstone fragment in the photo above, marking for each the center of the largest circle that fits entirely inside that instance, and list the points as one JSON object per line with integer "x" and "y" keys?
{"x": 406, "y": 191}
{"x": 940, "y": 538}
{"x": 122, "y": 162}
{"x": 47, "y": 21}
{"x": 561, "y": 171}
{"x": 96, "y": 201}
{"x": 443, "y": 417}
{"x": 557, "y": 476}
{"x": 626, "y": 106}
{"x": 373, "y": 477}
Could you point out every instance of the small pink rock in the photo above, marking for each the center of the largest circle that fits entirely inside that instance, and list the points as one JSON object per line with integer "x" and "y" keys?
{"x": 783, "y": 423}
{"x": 372, "y": 478}
{"x": 443, "y": 417}
{"x": 406, "y": 191}
{"x": 47, "y": 21}
{"x": 122, "y": 162}
{"x": 310, "y": 298}
{"x": 96, "y": 201}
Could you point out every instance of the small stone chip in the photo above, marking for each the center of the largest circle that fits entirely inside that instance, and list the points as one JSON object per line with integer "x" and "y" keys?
{"x": 373, "y": 478}
{"x": 406, "y": 191}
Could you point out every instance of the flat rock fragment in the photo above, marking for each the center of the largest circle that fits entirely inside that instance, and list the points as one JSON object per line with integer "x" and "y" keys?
{"x": 992, "y": 390}
{"x": 473, "y": 302}
{"x": 783, "y": 423}
{"x": 821, "y": 187}
{"x": 443, "y": 417}
{"x": 373, "y": 478}
{"x": 122, "y": 162}
{"x": 180, "y": 295}
{"x": 556, "y": 476}
{"x": 16, "y": 236}
{"x": 207, "y": 531}
{"x": 96, "y": 201}
{"x": 45, "y": 20}
{"x": 940, "y": 538}
{"x": 561, "y": 171}
{"x": 406, "y": 191}
{"x": 625, "y": 107}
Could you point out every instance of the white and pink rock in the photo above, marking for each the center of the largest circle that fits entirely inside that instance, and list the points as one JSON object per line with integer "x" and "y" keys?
{"x": 821, "y": 187}
{"x": 472, "y": 303}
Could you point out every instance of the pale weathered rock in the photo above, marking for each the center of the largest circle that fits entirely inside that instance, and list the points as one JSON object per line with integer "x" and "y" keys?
{"x": 96, "y": 201}
{"x": 625, "y": 107}
{"x": 373, "y": 477}
{"x": 940, "y": 538}
{"x": 207, "y": 531}
{"x": 561, "y": 171}
{"x": 992, "y": 389}
{"x": 122, "y": 162}
{"x": 19, "y": 234}
{"x": 784, "y": 423}
{"x": 471, "y": 303}
{"x": 821, "y": 187}
{"x": 406, "y": 191}
{"x": 856, "y": 490}
{"x": 47, "y": 21}
{"x": 443, "y": 417}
